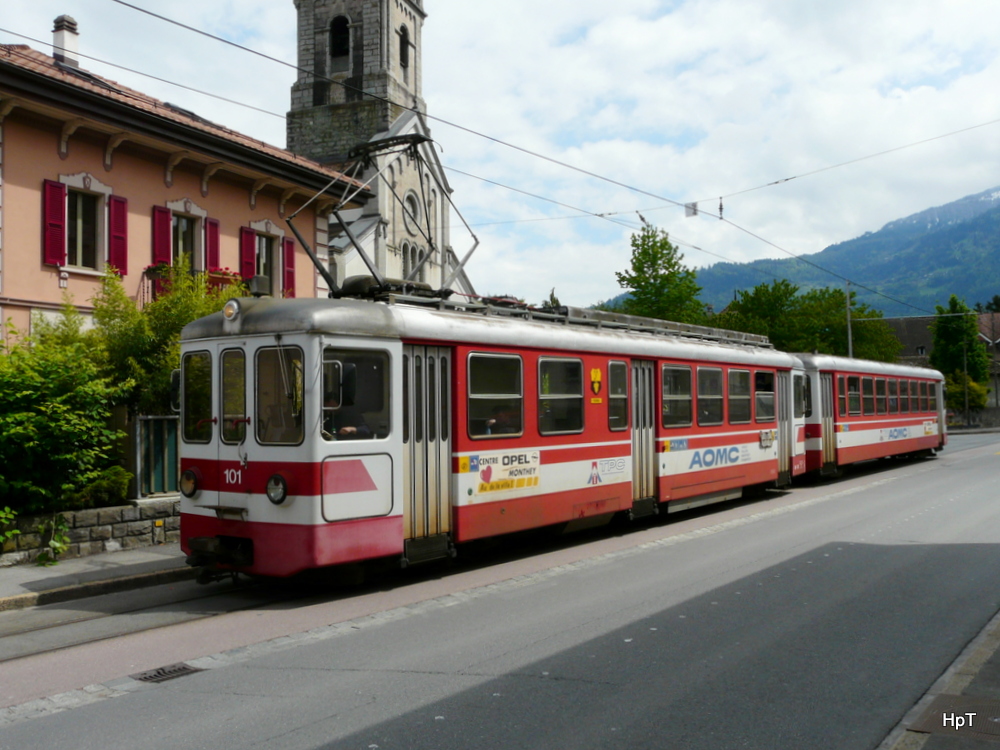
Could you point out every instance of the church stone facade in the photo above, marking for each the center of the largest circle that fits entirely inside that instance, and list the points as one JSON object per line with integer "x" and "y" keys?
{"x": 360, "y": 81}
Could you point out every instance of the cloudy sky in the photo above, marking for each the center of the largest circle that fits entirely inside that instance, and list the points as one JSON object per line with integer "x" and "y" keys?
{"x": 685, "y": 100}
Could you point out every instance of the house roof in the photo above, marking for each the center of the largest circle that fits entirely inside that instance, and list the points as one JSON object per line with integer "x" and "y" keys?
{"x": 38, "y": 82}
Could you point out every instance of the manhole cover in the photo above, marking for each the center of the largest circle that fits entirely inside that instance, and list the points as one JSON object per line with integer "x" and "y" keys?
{"x": 169, "y": 672}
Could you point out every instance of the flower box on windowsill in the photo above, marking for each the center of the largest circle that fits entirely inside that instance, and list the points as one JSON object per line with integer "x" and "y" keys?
{"x": 221, "y": 277}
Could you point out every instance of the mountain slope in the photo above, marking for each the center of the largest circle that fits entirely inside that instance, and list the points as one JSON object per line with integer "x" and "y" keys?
{"x": 921, "y": 259}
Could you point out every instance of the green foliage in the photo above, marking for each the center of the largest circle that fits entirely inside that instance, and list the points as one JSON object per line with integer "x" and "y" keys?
{"x": 54, "y": 414}
{"x": 957, "y": 346}
{"x": 141, "y": 347}
{"x": 956, "y": 385}
{"x": 109, "y": 489}
{"x": 993, "y": 306}
{"x": 55, "y": 529}
{"x": 658, "y": 282}
{"x": 552, "y": 302}
{"x": 813, "y": 321}
{"x": 7, "y": 532}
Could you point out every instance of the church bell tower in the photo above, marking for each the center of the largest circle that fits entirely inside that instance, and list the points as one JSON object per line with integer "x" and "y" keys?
{"x": 359, "y": 66}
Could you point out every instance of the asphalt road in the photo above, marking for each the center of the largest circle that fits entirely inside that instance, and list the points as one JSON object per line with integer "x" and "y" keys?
{"x": 811, "y": 619}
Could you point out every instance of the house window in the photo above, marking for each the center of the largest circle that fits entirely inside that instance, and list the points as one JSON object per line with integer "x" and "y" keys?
{"x": 264, "y": 251}
{"x": 85, "y": 226}
{"x": 81, "y": 230}
{"x": 921, "y": 350}
{"x": 184, "y": 228}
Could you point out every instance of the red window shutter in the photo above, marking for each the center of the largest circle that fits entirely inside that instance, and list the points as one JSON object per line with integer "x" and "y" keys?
{"x": 118, "y": 234}
{"x": 248, "y": 252}
{"x": 212, "y": 244}
{"x": 288, "y": 267}
{"x": 54, "y": 224}
{"x": 162, "y": 228}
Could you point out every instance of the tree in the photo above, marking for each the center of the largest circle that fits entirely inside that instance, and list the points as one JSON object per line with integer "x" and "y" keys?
{"x": 993, "y": 306}
{"x": 955, "y": 392}
{"x": 658, "y": 282}
{"x": 813, "y": 321}
{"x": 957, "y": 346}
{"x": 142, "y": 346}
{"x": 56, "y": 448}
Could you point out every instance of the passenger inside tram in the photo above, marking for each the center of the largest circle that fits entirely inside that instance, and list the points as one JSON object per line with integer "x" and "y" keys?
{"x": 343, "y": 422}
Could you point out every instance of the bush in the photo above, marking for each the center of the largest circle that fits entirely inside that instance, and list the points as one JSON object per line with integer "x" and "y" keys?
{"x": 109, "y": 489}
{"x": 54, "y": 416}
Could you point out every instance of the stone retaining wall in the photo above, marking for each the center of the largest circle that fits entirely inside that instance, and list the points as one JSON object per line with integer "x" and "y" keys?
{"x": 99, "y": 530}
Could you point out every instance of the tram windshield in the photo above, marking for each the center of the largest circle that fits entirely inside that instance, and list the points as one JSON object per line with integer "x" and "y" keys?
{"x": 279, "y": 395}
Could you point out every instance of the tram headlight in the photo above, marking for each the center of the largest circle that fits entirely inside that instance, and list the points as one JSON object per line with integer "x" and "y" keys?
{"x": 189, "y": 483}
{"x": 231, "y": 310}
{"x": 277, "y": 489}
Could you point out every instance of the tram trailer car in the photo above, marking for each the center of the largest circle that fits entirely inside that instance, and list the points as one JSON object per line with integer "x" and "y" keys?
{"x": 466, "y": 425}
{"x": 867, "y": 410}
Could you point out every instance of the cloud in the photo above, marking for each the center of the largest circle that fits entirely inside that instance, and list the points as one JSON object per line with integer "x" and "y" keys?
{"x": 687, "y": 100}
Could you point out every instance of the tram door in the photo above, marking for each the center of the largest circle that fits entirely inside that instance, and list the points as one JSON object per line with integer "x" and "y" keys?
{"x": 426, "y": 452}
{"x": 644, "y": 459}
{"x": 828, "y": 434}
{"x": 786, "y": 442}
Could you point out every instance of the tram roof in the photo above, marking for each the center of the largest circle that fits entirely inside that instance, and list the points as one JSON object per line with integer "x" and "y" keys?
{"x": 358, "y": 318}
{"x": 864, "y": 366}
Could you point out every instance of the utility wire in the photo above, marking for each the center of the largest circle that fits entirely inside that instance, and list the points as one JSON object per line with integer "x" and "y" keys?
{"x": 852, "y": 161}
{"x": 498, "y": 141}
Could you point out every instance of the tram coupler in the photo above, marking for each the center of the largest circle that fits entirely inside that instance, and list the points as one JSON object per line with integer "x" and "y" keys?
{"x": 213, "y": 552}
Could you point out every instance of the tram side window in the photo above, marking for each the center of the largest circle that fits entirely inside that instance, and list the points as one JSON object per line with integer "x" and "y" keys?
{"x": 914, "y": 397}
{"x": 763, "y": 391}
{"x": 904, "y": 397}
{"x": 355, "y": 394}
{"x": 880, "y": 396}
{"x": 854, "y": 395}
{"x": 617, "y": 396}
{"x": 842, "y": 395}
{"x": 560, "y": 396}
{"x": 196, "y": 410}
{"x": 739, "y": 396}
{"x": 893, "y": 398}
{"x": 923, "y": 396}
{"x": 710, "y": 398}
{"x": 932, "y": 389}
{"x": 234, "y": 396}
{"x": 868, "y": 395}
{"x": 279, "y": 396}
{"x": 495, "y": 396}
{"x": 807, "y": 396}
{"x": 799, "y": 396}
{"x": 676, "y": 396}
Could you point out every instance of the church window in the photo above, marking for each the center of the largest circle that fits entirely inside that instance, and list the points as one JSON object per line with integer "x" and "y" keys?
{"x": 404, "y": 48}
{"x": 411, "y": 213}
{"x": 340, "y": 44}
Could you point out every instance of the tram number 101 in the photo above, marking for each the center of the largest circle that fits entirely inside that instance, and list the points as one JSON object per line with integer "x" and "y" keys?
{"x": 233, "y": 476}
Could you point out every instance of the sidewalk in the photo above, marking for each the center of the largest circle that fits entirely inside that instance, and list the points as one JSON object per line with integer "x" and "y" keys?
{"x": 31, "y": 585}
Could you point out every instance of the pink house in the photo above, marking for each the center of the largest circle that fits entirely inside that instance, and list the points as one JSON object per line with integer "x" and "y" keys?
{"x": 94, "y": 175}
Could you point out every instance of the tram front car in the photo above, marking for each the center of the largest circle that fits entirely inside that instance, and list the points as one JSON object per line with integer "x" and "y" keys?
{"x": 286, "y": 447}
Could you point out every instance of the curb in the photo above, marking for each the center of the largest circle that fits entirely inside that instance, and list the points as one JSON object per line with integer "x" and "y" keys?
{"x": 96, "y": 588}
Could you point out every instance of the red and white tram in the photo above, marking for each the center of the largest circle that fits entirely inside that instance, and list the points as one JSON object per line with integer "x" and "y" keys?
{"x": 317, "y": 432}
{"x": 870, "y": 410}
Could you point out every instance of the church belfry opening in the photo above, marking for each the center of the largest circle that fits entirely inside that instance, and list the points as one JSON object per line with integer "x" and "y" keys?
{"x": 340, "y": 44}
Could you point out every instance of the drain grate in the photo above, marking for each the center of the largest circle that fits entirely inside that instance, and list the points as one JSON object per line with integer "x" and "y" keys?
{"x": 169, "y": 672}
{"x": 961, "y": 715}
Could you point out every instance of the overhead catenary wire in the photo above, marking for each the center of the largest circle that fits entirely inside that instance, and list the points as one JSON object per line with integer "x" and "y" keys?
{"x": 498, "y": 141}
